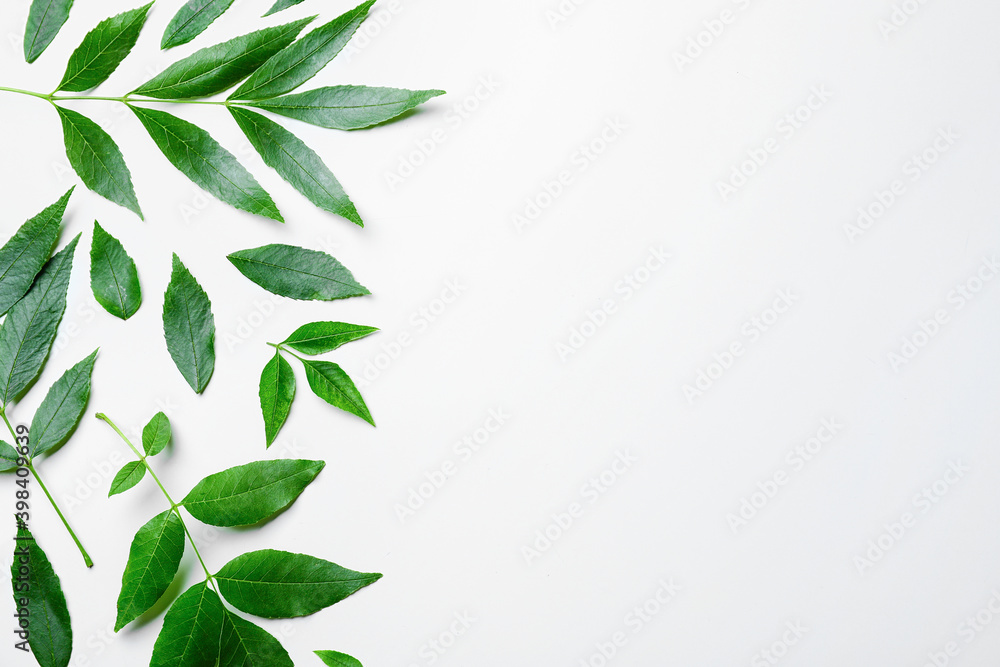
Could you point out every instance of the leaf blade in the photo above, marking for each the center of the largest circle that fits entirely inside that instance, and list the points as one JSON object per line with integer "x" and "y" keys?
{"x": 280, "y": 5}
{"x": 191, "y": 630}
{"x": 277, "y": 390}
{"x": 347, "y": 107}
{"x": 191, "y": 20}
{"x": 333, "y": 385}
{"x": 62, "y": 407}
{"x": 114, "y": 280}
{"x": 245, "y": 644}
{"x": 128, "y": 476}
{"x": 45, "y": 19}
{"x": 322, "y": 337}
{"x": 189, "y": 327}
{"x": 337, "y": 659}
{"x": 51, "y": 634}
{"x": 156, "y": 434}
{"x": 153, "y": 559}
{"x": 297, "y": 273}
{"x": 102, "y": 50}
{"x": 8, "y": 457}
{"x": 24, "y": 255}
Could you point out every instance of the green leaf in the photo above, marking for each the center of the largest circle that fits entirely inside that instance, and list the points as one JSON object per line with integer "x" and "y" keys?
{"x": 278, "y": 584}
{"x": 24, "y": 255}
{"x": 202, "y": 159}
{"x": 50, "y": 635}
{"x": 130, "y": 475}
{"x": 156, "y": 434}
{"x": 31, "y": 325}
{"x": 189, "y": 327}
{"x": 295, "y": 65}
{"x": 8, "y": 457}
{"x": 45, "y": 18}
{"x": 97, "y": 160}
{"x": 248, "y": 494}
{"x": 62, "y": 407}
{"x": 191, "y": 631}
{"x": 331, "y": 383}
{"x": 277, "y": 389}
{"x": 297, "y": 163}
{"x": 280, "y": 5}
{"x": 347, "y": 107}
{"x": 113, "y": 276}
{"x": 335, "y": 659}
{"x": 102, "y": 50}
{"x": 153, "y": 560}
{"x": 217, "y": 68}
{"x": 297, "y": 273}
{"x": 321, "y": 337}
{"x": 191, "y": 20}
{"x": 245, "y": 644}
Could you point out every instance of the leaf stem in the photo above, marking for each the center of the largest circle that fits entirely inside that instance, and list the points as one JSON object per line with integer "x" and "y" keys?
{"x": 26, "y": 92}
{"x": 124, "y": 99}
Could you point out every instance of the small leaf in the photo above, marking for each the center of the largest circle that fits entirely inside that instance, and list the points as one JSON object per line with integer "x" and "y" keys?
{"x": 321, "y": 337}
{"x": 296, "y": 163}
{"x": 245, "y": 644}
{"x": 278, "y": 584}
{"x": 347, "y": 107}
{"x": 130, "y": 475}
{"x": 200, "y": 157}
{"x": 153, "y": 560}
{"x": 189, "y": 327}
{"x": 191, "y": 631}
{"x": 297, "y": 273}
{"x": 191, "y": 20}
{"x": 335, "y": 659}
{"x": 217, "y": 68}
{"x": 248, "y": 494}
{"x": 45, "y": 18}
{"x": 102, "y": 50}
{"x": 290, "y": 68}
{"x": 62, "y": 407}
{"x": 31, "y": 325}
{"x": 38, "y": 589}
{"x": 113, "y": 276}
{"x": 280, "y": 5}
{"x": 97, "y": 160}
{"x": 8, "y": 457}
{"x": 331, "y": 383}
{"x": 156, "y": 434}
{"x": 277, "y": 389}
{"x": 24, "y": 255}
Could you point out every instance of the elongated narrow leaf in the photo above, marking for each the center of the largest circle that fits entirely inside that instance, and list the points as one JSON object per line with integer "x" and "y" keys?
{"x": 62, "y": 407}
{"x": 45, "y": 18}
{"x": 278, "y": 584}
{"x": 191, "y": 20}
{"x": 156, "y": 434}
{"x": 102, "y": 50}
{"x": 292, "y": 67}
{"x": 217, "y": 68}
{"x": 191, "y": 630}
{"x": 114, "y": 279}
{"x": 321, "y": 337}
{"x": 130, "y": 474}
{"x": 37, "y": 589}
{"x": 297, "y": 163}
{"x": 297, "y": 273}
{"x": 332, "y": 384}
{"x": 248, "y": 494}
{"x": 189, "y": 327}
{"x": 153, "y": 560}
{"x": 97, "y": 160}
{"x": 8, "y": 457}
{"x": 335, "y": 659}
{"x": 24, "y": 255}
{"x": 31, "y": 325}
{"x": 347, "y": 107}
{"x": 280, "y": 5}
{"x": 277, "y": 389}
{"x": 202, "y": 159}
{"x": 245, "y": 644}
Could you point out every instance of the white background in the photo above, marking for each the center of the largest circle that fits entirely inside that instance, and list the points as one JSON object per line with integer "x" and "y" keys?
{"x": 555, "y": 85}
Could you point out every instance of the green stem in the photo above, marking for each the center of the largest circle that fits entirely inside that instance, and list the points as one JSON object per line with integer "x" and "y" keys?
{"x": 125, "y": 99}
{"x": 26, "y": 92}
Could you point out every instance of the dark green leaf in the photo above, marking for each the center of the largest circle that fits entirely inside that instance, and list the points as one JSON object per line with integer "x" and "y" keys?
{"x": 130, "y": 475}
{"x": 248, "y": 494}
{"x": 113, "y": 276}
{"x": 321, "y": 337}
{"x": 62, "y": 407}
{"x": 153, "y": 560}
{"x": 277, "y": 389}
{"x": 189, "y": 327}
{"x": 297, "y": 273}
{"x": 331, "y": 383}
{"x": 37, "y": 588}
{"x": 156, "y": 434}
{"x": 24, "y": 255}
{"x": 347, "y": 107}
{"x": 8, "y": 457}
{"x": 102, "y": 50}
{"x": 297, "y": 163}
{"x": 335, "y": 659}
{"x": 31, "y": 325}
{"x": 191, "y": 20}
{"x": 191, "y": 630}
{"x": 247, "y": 645}
{"x": 45, "y": 18}
{"x": 295, "y": 65}
{"x": 202, "y": 159}
{"x": 216, "y": 68}
{"x": 281, "y": 4}
{"x": 278, "y": 584}
{"x": 96, "y": 158}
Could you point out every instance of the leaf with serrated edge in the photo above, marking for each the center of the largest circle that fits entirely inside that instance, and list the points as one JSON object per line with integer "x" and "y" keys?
{"x": 245, "y": 644}
{"x": 297, "y": 273}
{"x": 277, "y": 389}
{"x": 8, "y": 457}
{"x": 153, "y": 560}
{"x": 336, "y": 659}
{"x": 114, "y": 279}
{"x": 279, "y": 584}
{"x": 156, "y": 434}
{"x": 45, "y": 18}
{"x": 24, "y": 255}
{"x": 332, "y": 384}
{"x": 102, "y": 50}
{"x": 189, "y": 327}
{"x": 97, "y": 160}
{"x": 347, "y": 107}
{"x": 191, "y": 20}
{"x": 191, "y": 630}
{"x": 322, "y": 337}
{"x": 130, "y": 474}
{"x": 280, "y": 5}
{"x": 50, "y": 634}
{"x": 62, "y": 407}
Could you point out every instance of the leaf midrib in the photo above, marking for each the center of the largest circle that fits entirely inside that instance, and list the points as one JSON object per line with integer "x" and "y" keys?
{"x": 138, "y": 16}
{"x": 121, "y": 188}
{"x": 240, "y": 494}
{"x": 278, "y": 266}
